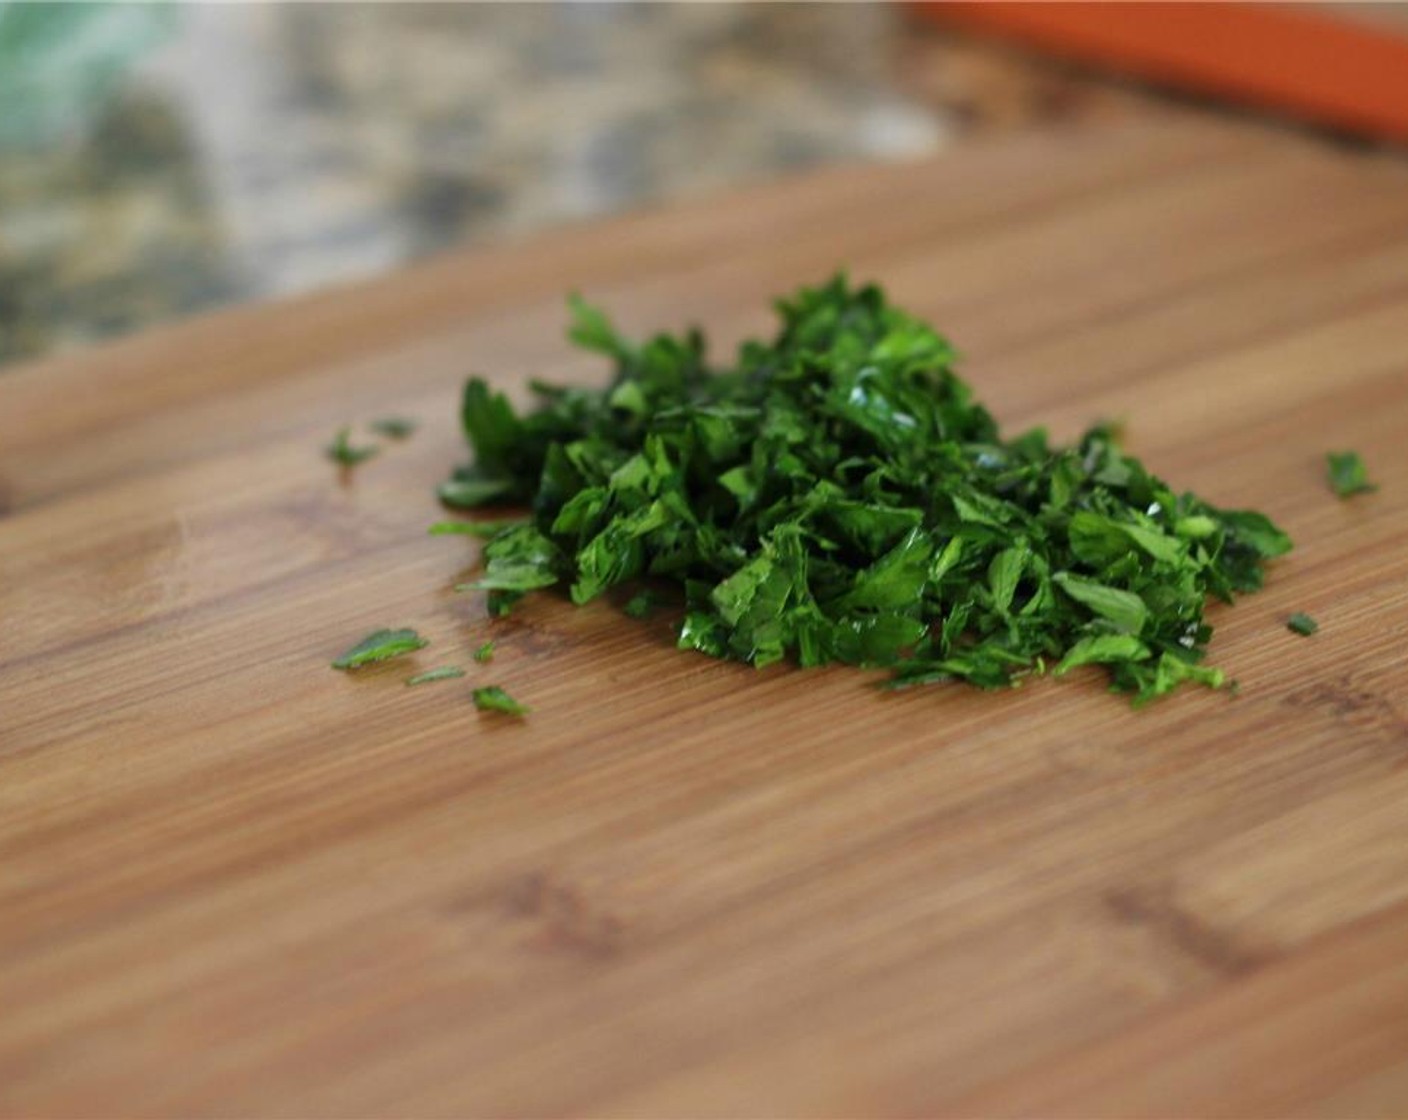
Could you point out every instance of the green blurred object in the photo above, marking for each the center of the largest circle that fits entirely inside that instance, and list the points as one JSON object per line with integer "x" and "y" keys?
{"x": 57, "y": 61}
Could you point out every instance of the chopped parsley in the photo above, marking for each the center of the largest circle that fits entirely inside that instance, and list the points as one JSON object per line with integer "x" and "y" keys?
{"x": 380, "y": 645}
{"x": 444, "y": 673}
{"x": 837, "y": 494}
{"x": 485, "y": 652}
{"x": 1347, "y": 474}
{"x": 495, "y": 699}
{"x": 1302, "y": 624}
{"x": 341, "y": 450}
{"x": 394, "y": 427}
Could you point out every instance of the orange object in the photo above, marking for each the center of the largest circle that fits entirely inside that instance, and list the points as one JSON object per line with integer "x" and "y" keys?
{"x": 1306, "y": 61}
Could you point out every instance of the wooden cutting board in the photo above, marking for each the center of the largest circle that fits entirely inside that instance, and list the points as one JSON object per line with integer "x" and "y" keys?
{"x": 234, "y": 882}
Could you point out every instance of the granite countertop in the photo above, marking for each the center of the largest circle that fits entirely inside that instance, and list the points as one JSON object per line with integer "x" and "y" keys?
{"x": 169, "y": 159}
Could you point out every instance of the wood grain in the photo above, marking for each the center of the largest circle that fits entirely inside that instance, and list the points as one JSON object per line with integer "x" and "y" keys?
{"x": 233, "y": 882}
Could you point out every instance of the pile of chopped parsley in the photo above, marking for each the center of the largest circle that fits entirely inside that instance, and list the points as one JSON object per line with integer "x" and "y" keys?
{"x": 838, "y": 495}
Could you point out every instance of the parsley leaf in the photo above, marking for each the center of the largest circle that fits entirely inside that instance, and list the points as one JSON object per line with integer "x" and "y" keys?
{"x": 836, "y": 493}
{"x": 380, "y": 645}
{"x": 1125, "y": 610}
{"x": 485, "y": 652}
{"x": 1302, "y": 624}
{"x": 444, "y": 673}
{"x": 495, "y": 699}
{"x": 1348, "y": 474}
{"x": 341, "y": 450}
{"x": 1102, "y": 648}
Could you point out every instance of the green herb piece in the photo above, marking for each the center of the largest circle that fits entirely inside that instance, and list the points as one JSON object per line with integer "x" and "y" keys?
{"x": 640, "y": 605}
{"x": 1302, "y": 624}
{"x": 837, "y": 494}
{"x": 1102, "y": 648}
{"x": 470, "y": 493}
{"x": 516, "y": 561}
{"x": 495, "y": 699}
{"x": 341, "y": 450}
{"x": 485, "y": 652}
{"x": 444, "y": 673}
{"x": 1125, "y": 610}
{"x": 1348, "y": 474}
{"x": 380, "y": 645}
{"x": 394, "y": 427}
{"x": 483, "y": 529}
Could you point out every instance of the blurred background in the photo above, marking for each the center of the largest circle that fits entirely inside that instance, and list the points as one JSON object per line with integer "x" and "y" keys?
{"x": 158, "y": 160}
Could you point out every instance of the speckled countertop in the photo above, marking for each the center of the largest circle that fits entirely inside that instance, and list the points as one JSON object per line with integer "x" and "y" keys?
{"x": 160, "y": 160}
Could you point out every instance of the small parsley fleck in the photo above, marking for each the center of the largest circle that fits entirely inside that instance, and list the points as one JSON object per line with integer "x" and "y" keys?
{"x": 342, "y": 451}
{"x": 495, "y": 699}
{"x": 380, "y": 645}
{"x": 394, "y": 427}
{"x": 483, "y": 529}
{"x": 1348, "y": 474}
{"x": 1302, "y": 624}
{"x": 485, "y": 652}
{"x": 470, "y": 493}
{"x": 444, "y": 673}
{"x": 641, "y": 605}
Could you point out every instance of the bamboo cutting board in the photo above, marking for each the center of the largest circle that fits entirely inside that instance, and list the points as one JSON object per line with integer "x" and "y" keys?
{"x": 233, "y": 882}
